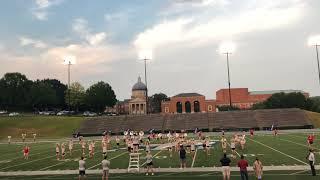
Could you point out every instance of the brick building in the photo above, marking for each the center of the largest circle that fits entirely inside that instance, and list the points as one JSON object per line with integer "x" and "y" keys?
{"x": 194, "y": 102}
{"x": 188, "y": 103}
{"x": 240, "y": 97}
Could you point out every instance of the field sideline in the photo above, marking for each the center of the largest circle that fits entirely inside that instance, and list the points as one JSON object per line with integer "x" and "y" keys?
{"x": 276, "y": 153}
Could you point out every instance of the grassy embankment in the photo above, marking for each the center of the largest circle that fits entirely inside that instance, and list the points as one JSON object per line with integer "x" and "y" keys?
{"x": 43, "y": 126}
{"x": 315, "y": 118}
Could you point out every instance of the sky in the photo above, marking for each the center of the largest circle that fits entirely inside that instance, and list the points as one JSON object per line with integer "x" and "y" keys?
{"x": 109, "y": 39}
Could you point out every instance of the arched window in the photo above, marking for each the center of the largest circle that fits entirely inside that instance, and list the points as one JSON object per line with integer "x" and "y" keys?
{"x": 196, "y": 106}
{"x": 188, "y": 107}
{"x": 179, "y": 107}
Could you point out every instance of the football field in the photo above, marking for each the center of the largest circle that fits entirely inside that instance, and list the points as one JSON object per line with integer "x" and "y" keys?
{"x": 283, "y": 157}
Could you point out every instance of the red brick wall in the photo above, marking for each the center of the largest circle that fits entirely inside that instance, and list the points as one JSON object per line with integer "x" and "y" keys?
{"x": 237, "y": 95}
{"x": 211, "y": 103}
{"x": 240, "y": 98}
{"x": 172, "y": 104}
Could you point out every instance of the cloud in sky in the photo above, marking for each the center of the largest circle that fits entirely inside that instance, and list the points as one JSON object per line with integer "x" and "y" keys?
{"x": 25, "y": 41}
{"x": 80, "y": 26}
{"x": 198, "y": 29}
{"x": 183, "y": 36}
{"x": 40, "y": 12}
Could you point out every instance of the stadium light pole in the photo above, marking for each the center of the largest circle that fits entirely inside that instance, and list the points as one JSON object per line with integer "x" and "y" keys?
{"x": 315, "y": 41}
{"x": 146, "y": 55}
{"x": 228, "y": 48}
{"x": 69, "y": 60}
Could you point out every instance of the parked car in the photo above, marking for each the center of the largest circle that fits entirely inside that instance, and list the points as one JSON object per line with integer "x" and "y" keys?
{"x": 14, "y": 114}
{"x": 64, "y": 113}
{"x": 3, "y": 112}
{"x": 47, "y": 113}
{"x": 111, "y": 114}
{"x": 90, "y": 114}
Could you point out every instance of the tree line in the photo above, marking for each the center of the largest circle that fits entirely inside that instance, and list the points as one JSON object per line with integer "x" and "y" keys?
{"x": 290, "y": 100}
{"x": 18, "y": 93}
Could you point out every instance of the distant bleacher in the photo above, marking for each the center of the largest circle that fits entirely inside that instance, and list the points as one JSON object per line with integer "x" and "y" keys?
{"x": 233, "y": 120}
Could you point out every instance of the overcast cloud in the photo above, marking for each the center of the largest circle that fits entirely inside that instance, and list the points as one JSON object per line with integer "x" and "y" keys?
{"x": 183, "y": 35}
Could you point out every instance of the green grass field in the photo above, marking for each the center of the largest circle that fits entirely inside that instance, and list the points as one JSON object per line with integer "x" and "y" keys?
{"x": 284, "y": 150}
{"x": 44, "y": 126}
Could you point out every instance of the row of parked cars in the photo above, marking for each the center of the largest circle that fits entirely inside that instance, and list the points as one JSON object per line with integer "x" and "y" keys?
{"x": 66, "y": 113}
{"x": 2, "y": 112}
{"x": 59, "y": 113}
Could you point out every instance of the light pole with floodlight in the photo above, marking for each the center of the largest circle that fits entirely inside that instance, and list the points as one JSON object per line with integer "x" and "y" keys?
{"x": 146, "y": 82}
{"x": 69, "y": 61}
{"x": 227, "y": 48}
{"x": 229, "y": 84}
{"x": 315, "y": 41}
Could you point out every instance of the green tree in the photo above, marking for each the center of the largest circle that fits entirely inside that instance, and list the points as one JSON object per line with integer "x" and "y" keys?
{"x": 228, "y": 108}
{"x": 99, "y": 96}
{"x": 59, "y": 89}
{"x": 155, "y": 102}
{"x": 77, "y": 95}
{"x": 14, "y": 91}
{"x": 42, "y": 95}
{"x": 259, "y": 105}
{"x": 313, "y": 104}
{"x": 285, "y": 100}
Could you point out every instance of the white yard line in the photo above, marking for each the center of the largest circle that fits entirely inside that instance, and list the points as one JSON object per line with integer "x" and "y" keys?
{"x": 169, "y": 174}
{"x": 234, "y": 150}
{"x": 152, "y": 157}
{"x": 108, "y": 159}
{"x": 194, "y": 157}
{"x": 51, "y": 166}
{"x": 45, "y": 168}
{"x": 20, "y": 157}
{"x": 304, "y": 137}
{"x": 20, "y": 152}
{"x": 298, "y": 143}
{"x": 208, "y": 170}
{"x": 27, "y": 162}
{"x": 299, "y": 172}
{"x": 278, "y": 151}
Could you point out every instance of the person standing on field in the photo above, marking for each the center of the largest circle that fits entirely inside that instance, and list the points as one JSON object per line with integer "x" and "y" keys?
{"x": 82, "y": 168}
{"x": 105, "y": 168}
{"x": 149, "y": 164}
{"x": 34, "y": 137}
{"x": 9, "y": 139}
{"x": 258, "y": 168}
{"x": 311, "y": 158}
{"x": 243, "y": 164}
{"x": 225, "y": 163}
{"x": 70, "y": 146}
{"x": 183, "y": 158}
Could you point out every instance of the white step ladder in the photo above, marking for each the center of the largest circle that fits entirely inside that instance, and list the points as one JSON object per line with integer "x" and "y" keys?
{"x": 134, "y": 162}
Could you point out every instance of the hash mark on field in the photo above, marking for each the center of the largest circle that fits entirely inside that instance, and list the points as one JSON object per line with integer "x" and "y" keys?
{"x": 108, "y": 159}
{"x": 194, "y": 157}
{"x": 278, "y": 151}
